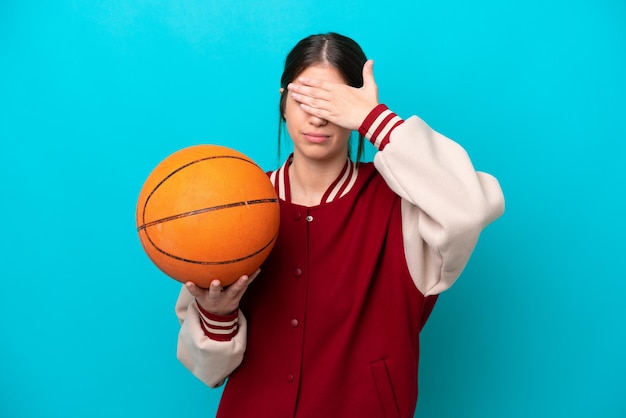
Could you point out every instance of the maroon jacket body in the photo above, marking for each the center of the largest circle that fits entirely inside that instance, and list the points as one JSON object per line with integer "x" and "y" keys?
{"x": 334, "y": 317}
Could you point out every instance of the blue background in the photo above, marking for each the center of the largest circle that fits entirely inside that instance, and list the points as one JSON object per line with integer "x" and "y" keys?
{"x": 93, "y": 94}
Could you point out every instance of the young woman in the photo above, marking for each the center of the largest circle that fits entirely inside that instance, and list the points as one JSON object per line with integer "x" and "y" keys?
{"x": 330, "y": 327}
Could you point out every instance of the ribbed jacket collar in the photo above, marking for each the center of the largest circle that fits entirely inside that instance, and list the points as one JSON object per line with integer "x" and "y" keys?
{"x": 338, "y": 188}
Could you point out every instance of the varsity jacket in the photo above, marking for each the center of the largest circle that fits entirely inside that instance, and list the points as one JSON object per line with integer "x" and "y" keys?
{"x": 330, "y": 327}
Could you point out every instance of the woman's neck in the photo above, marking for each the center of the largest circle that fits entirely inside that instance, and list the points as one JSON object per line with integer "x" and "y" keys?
{"x": 309, "y": 179}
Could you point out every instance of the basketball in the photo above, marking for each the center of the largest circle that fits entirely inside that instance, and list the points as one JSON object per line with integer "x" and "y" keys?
{"x": 207, "y": 212}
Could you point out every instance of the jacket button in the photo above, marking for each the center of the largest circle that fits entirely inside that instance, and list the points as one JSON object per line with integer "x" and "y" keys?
{"x": 297, "y": 272}
{"x": 294, "y": 322}
{"x": 309, "y": 218}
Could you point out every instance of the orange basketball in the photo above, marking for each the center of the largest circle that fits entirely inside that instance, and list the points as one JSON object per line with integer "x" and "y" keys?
{"x": 207, "y": 212}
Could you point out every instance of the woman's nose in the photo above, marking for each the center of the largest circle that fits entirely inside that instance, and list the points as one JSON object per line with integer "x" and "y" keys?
{"x": 316, "y": 121}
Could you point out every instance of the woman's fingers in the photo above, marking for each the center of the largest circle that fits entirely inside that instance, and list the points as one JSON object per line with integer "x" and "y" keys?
{"x": 220, "y": 300}
{"x": 368, "y": 75}
{"x": 193, "y": 289}
{"x": 240, "y": 286}
{"x": 215, "y": 291}
{"x": 311, "y": 96}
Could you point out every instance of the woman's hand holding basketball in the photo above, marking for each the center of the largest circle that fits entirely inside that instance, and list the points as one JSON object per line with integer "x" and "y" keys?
{"x": 337, "y": 103}
{"x": 219, "y": 300}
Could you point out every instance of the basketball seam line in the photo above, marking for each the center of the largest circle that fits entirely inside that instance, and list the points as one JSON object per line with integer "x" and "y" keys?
{"x": 212, "y": 157}
{"x": 205, "y": 210}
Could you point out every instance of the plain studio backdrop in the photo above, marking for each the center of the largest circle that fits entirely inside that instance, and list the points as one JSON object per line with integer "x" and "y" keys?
{"x": 93, "y": 94}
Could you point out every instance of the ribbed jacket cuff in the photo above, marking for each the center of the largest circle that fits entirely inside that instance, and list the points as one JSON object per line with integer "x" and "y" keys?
{"x": 218, "y": 327}
{"x": 378, "y": 125}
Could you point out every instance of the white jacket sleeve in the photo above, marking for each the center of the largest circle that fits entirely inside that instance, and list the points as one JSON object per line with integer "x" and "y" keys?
{"x": 446, "y": 203}
{"x": 210, "y": 359}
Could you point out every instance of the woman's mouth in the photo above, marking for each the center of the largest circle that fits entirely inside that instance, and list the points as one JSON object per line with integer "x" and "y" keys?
{"x": 316, "y": 138}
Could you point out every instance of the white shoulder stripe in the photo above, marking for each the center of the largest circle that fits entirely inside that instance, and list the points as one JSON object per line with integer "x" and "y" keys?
{"x": 340, "y": 183}
{"x": 355, "y": 174}
{"x": 281, "y": 182}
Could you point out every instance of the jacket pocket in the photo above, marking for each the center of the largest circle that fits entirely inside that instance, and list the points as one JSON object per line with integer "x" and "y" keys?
{"x": 384, "y": 388}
